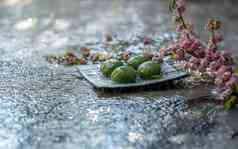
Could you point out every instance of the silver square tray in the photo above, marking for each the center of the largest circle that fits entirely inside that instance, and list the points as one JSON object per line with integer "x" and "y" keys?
{"x": 93, "y": 75}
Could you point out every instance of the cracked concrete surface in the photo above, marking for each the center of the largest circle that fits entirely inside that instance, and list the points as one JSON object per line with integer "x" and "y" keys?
{"x": 45, "y": 106}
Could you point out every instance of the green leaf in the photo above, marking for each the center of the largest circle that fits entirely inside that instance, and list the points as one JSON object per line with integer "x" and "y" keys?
{"x": 77, "y": 62}
{"x": 172, "y": 5}
{"x": 230, "y": 103}
{"x": 178, "y": 19}
{"x": 236, "y": 70}
{"x": 235, "y": 89}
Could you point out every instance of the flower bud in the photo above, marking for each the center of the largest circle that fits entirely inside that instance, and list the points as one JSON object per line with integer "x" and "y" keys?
{"x": 226, "y": 76}
{"x": 180, "y": 54}
{"x": 214, "y": 65}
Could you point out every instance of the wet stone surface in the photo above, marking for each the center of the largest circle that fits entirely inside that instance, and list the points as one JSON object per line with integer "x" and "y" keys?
{"x": 44, "y": 106}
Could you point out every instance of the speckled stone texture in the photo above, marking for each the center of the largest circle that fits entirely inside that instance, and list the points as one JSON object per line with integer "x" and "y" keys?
{"x": 44, "y": 106}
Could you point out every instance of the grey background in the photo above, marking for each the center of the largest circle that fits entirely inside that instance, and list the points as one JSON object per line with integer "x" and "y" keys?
{"x": 45, "y": 106}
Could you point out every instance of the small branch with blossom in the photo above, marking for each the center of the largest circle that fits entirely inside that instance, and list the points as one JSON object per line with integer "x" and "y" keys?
{"x": 194, "y": 56}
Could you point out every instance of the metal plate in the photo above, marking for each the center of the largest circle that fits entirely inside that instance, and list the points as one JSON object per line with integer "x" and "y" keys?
{"x": 93, "y": 75}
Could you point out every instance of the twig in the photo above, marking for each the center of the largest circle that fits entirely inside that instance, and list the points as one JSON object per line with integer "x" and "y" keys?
{"x": 234, "y": 135}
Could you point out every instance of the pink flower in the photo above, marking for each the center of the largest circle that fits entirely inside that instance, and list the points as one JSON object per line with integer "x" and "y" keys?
{"x": 186, "y": 44}
{"x": 195, "y": 60}
{"x": 180, "y": 6}
{"x": 200, "y": 53}
{"x": 147, "y": 40}
{"x": 214, "y": 65}
{"x": 204, "y": 63}
{"x": 192, "y": 66}
{"x": 226, "y": 58}
{"x": 211, "y": 55}
{"x": 179, "y": 27}
{"x": 180, "y": 54}
{"x": 163, "y": 52}
{"x": 226, "y": 76}
{"x": 196, "y": 44}
{"x": 217, "y": 38}
{"x": 221, "y": 70}
{"x": 219, "y": 82}
{"x": 216, "y": 55}
{"x": 210, "y": 50}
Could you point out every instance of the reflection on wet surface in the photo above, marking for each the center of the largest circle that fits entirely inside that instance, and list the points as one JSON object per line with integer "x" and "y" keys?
{"x": 49, "y": 106}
